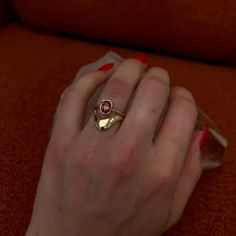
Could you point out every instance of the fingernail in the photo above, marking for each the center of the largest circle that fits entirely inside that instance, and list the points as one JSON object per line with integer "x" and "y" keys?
{"x": 204, "y": 137}
{"x": 141, "y": 58}
{"x": 106, "y": 67}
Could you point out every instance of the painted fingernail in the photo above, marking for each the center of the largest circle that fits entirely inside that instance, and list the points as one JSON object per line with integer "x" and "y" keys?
{"x": 106, "y": 67}
{"x": 141, "y": 58}
{"x": 204, "y": 137}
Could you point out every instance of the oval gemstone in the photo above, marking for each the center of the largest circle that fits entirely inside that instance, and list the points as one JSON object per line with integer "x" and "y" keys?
{"x": 106, "y": 107}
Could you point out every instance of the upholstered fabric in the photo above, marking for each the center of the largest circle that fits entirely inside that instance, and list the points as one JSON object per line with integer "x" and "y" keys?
{"x": 5, "y": 12}
{"x": 203, "y": 29}
{"x": 34, "y": 70}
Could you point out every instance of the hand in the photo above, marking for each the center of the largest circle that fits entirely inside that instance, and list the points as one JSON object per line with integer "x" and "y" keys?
{"x": 126, "y": 180}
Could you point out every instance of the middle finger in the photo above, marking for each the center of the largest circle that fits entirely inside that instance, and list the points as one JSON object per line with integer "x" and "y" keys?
{"x": 148, "y": 104}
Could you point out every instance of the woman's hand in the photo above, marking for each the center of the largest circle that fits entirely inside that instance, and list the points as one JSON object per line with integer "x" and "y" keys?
{"x": 126, "y": 180}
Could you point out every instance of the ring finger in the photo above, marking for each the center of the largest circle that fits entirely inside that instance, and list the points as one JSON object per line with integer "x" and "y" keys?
{"x": 120, "y": 86}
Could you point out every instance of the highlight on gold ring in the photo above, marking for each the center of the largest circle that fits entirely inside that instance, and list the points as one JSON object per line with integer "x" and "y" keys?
{"x": 105, "y": 115}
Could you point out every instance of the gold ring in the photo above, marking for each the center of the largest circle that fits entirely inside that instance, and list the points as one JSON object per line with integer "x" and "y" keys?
{"x": 105, "y": 115}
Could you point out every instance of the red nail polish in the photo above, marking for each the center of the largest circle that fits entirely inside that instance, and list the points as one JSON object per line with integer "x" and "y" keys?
{"x": 106, "y": 67}
{"x": 141, "y": 58}
{"x": 204, "y": 137}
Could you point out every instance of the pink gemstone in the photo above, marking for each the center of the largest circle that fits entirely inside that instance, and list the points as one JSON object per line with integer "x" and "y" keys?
{"x": 105, "y": 107}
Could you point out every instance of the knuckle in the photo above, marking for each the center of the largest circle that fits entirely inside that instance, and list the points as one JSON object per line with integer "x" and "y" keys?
{"x": 140, "y": 125}
{"x": 118, "y": 88}
{"x": 168, "y": 170}
{"x": 123, "y": 167}
{"x": 156, "y": 86}
{"x": 164, "y": 178}
{"x": 186, "y": 101}
{"x": 124, "y": 162}
{"x": 183, "y": 93}
{"x": 70, "y": 94}
{"x": 167, "y": 173}
{"x": 189, "y": 108}
{"x": 130, "y": 146}
{"x": 160, "y": 74}
{"x": 56, "y": 149}
{"x": 175, "y": 151}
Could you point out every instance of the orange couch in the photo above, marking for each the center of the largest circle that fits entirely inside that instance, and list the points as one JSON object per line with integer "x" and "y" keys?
{"x": 36, "y": 66}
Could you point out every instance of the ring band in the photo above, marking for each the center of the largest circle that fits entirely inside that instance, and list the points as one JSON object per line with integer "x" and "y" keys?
{"x": 105, "y": 115}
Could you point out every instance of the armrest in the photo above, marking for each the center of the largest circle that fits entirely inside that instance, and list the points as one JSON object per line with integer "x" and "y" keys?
{"x": 199, "y": 29}
{"x": 5, "y": 12}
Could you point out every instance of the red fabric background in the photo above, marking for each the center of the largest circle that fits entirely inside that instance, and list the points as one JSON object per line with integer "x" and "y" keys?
{"x": 5, "y": 12}
{"x": 203, "y": 29}
{"x": 34, "y": 70}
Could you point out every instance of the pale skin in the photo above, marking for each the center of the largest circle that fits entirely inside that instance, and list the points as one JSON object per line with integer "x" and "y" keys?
{"x": 126, "y": 180}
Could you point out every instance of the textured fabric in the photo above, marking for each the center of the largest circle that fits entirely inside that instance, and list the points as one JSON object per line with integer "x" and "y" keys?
{"x": 204, "y": 28}
{"x": 34, "y": 70}
{"x": 5, "y": 12}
